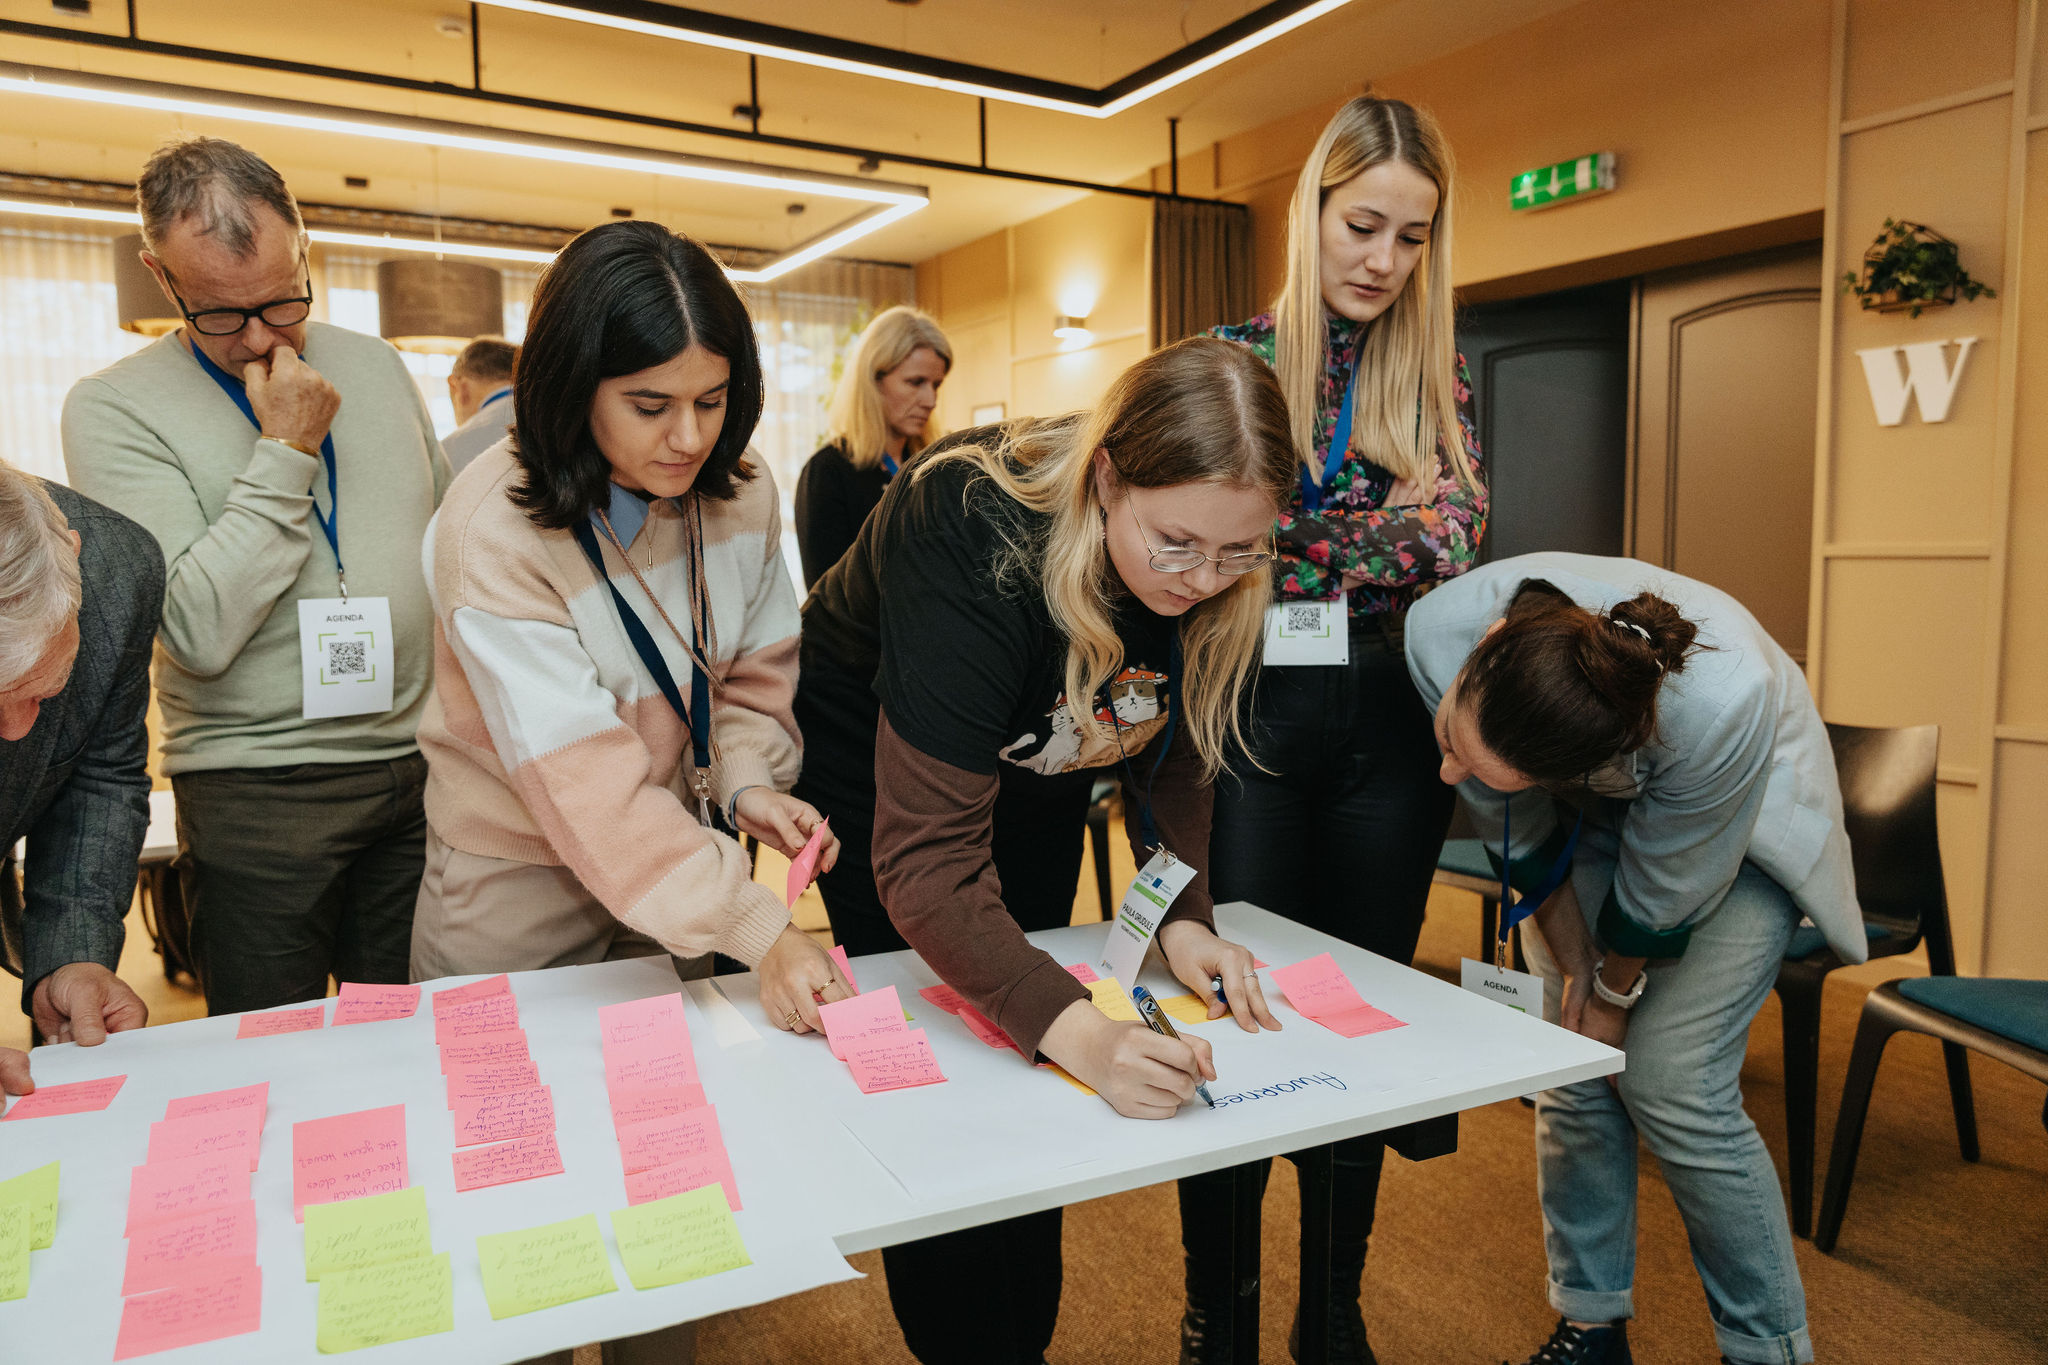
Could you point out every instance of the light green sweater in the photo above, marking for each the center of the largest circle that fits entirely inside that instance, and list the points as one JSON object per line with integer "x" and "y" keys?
{"x": 154, "y": 438}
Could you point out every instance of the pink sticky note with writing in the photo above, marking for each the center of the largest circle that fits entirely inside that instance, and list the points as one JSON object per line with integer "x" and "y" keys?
{"x": 838, "y": 955}
{"x": 474, "y": 1018}
{"x": 78, "y": 1097}
{"x": 219, "y": 1134}
{"x": 173, "y": 1189}
{"x": 943, "y": 997}
{"x": 862, "y": 1016}
{"x": 485, "y": 1049}
{"x": 256, "y": 1096}
{"x": 214, "y": 1309}
{"x": 348, "y": 1156}
{"x": 982, "y": 1027}
{"x": 493, "y": 1078}
{"x": 1319, "y": 989}
{"x": 893, "y": 1062}
{"x": 281, "y": 1021}
{"x": 687, "y": 1148}
{"x": 638, "y": 1103}
{"x": 191, "y": 1249}
{"x": 1081, "y": 972}
{"x": 444, "y": 1001}
{"x": 363, "y": 1004}
{"x": 636, "y": 1021}
{"x": 495, "y": 1118}
{"x": 659, "y": 1182}
{"x": 803, "y": 868}
{"x": 651, "y": 1061}
{"x": 522, "y": 1159}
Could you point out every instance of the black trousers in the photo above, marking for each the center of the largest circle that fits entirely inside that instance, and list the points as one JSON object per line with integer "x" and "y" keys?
{"x": 1342, "y": 834}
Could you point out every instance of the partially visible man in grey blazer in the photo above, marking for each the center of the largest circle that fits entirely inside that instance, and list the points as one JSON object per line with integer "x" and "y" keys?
{"x": 81, "y": 588}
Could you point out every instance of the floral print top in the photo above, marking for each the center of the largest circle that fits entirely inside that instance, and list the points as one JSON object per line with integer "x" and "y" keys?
{"x": 1399, "y": 552}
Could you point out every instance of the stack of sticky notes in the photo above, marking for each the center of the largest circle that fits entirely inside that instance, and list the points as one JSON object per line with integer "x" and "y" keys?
{"x": 191, "y": 1272}
{"x": 669, "y": 1139}
{"x": 682, "y": 1237}
{"x": 504, "y": 1117}
{"x": 348, "y": 1156}
{"x": 28, "y": 1222}
{"x": 869, "y": 1033}
{"x": 380, "y": 1279}
{"x": 1318, "y": 988}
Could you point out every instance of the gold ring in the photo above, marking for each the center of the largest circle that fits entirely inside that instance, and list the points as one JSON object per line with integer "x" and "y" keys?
{"x": 792, "y": 1018}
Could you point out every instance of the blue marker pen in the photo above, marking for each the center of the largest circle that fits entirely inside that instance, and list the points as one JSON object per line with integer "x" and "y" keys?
{"x": 1156, "y": 1020}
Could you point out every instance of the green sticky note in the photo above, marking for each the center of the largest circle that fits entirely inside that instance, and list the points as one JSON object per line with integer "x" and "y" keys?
{"x": 38, "y": 1189}
{"x": 683, "y": 1237}
{"x": 383, "y": 1303}
{"x": 355, "y": 1233}
{"x": 15, "y": 1223}
{"x": 544, "y": 1267}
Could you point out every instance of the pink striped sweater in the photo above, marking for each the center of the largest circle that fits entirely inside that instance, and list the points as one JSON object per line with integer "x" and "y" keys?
{"x": 548, "y": 741}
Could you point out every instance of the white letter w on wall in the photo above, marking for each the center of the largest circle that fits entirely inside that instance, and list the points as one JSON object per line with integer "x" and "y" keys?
{"x": 1926, "y": 377}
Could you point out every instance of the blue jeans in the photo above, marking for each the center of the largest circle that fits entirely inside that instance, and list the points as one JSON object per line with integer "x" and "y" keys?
{"x": 1682, "y": 1095}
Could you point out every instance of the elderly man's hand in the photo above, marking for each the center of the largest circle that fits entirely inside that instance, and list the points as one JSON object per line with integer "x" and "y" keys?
{"x": 14, "y": 1073}
{"x": 292, "y": 401}
{"x": 82, "y": 1002}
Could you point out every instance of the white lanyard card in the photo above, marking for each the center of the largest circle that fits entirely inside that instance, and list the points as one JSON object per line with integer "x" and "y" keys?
{"x": 1151, "y": 894}
{"x": 344, "y": 656}
{"x": 1308, "y": 633}
{"x": 1516, "y": 990}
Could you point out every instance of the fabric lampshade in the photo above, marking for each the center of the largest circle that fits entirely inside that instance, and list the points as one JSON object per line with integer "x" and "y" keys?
{"x": 438, "y": 306}
{"x": 139, "y": 302}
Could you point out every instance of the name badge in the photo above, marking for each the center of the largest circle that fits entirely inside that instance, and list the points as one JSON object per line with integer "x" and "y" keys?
{"x": 1137, "y": 920}
{"x": 344, "y": 656}
{"x": 1516, "y": 990}
{"x": 1300, "y": 634}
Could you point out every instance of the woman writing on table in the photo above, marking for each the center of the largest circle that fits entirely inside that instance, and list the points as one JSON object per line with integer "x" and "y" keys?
{"x": 1640, "y": 734}
{"x": 1032, "y": 605}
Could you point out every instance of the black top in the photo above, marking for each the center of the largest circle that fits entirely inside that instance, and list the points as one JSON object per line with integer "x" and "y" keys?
{"x": 833, "y": 499}
{"x": 77, "y": 785}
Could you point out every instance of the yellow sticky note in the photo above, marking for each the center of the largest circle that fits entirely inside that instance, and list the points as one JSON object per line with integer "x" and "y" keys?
{"x": 394, "y": 1301}
{"x": 683, "y": 1237}
{"x": 353, "y": 1233}
{"x": 1112, "y": 1000}
{"x": 1187, "y": 1009}
{"x": 15, "y": 1223}
{"x": 37, "y": 1189}
{"x": 1069, "y": 1077}
{"x": 544, "y": 1267}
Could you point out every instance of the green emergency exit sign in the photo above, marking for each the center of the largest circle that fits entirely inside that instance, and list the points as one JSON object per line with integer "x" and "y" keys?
{"x": 1579, "y": 178}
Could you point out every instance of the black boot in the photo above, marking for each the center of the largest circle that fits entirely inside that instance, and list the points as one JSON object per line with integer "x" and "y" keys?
{"x": 1354, "y": 1198}
{"x": 1205, "y": 1207}
{"x": 1570, "y": 1345}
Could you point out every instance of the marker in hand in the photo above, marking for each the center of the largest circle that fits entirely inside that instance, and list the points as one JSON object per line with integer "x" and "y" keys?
{"x": 1156, "y": 1020}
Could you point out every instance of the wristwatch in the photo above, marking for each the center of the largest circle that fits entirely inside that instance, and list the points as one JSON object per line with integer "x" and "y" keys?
{"x": 1618, "y": 999}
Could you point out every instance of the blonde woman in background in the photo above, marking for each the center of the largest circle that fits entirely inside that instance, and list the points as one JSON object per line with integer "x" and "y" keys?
{"x": 1341, "y": 828}
{"x": 881, "y": 417}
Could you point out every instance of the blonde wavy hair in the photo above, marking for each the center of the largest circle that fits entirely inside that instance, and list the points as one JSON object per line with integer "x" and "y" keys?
{"x": 1408, "y": 355}
{"x": 1201, "y": 411}
{"x": 857, "y": 423}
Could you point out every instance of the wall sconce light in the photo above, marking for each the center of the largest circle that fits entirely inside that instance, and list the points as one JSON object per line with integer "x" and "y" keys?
{"x": 139, "y": 302}
{"x": 1072, "y": 330}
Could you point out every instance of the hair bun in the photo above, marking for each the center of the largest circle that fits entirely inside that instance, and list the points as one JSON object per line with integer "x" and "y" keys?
{"x": 1655, "y": 623}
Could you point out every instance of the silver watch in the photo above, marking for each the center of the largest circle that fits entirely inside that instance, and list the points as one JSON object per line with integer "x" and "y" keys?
{"x": 1618, "y": 999}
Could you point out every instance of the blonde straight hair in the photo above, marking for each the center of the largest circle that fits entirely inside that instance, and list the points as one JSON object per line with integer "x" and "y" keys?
{"x": 1407, "y": 356}
{"x": 857, "y": 423}
{"x": 1201, "y": 411}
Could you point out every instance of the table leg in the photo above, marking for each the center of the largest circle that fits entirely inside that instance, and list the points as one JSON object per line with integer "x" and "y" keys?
{"x": 1316, "y": 1186}
{"x": 1247, "y": 1195}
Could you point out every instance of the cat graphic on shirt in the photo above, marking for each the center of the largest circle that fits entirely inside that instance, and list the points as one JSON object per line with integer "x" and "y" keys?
{"x": 1135, "y": 709}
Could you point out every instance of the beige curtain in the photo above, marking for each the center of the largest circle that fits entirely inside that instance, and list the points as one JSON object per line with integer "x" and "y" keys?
{"x": 1201, "y": 267}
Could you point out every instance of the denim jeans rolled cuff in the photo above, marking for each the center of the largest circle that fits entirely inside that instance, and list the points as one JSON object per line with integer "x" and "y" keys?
{"x": 1592, "y": 1305}
{"x": 1787, "y": 1348}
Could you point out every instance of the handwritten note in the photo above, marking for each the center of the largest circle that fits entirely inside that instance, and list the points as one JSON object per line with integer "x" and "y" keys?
{"x": 282, "y": 1021}
{"x": 943, "y": 997}
{"x": 638, "y": 1103}
{"x": 362, "y": 1004}
{"x": 652, "y": 1061}
{"x": 689, "y": 1143}
{"x": 38, "y": 1190}
{"x": 683, "y": 1237}
{"x": 1081, "y": 972}
{"x": 79, "y": 1097}
{"x": 485, "y": 1049}
{"x": 444, "y": 1001}
{"x": 660, "y": 1182}
{"x": 352, "y": 1233}
{"x": 1110, "y": 997}
{"x": 637, "y": 1021}
{"x": 522, "y": 1159}
{"x": 169, "y": 1189}
{"x": 473, "y": 1018}
{"x": 1318, "y": 988}
{"x": 803, "y": 868}
{"x": 191, "y": 1249}
{"x": 17, "y": 1222}
{"x": 860, "y": 1017}
{"x": 219, "y": 1133}
{"x": 494, "y": 1118}
{"x": 254, "y": 1096}
{"x": 380, "y": 1304}
{"x": 982, "y": 1027}
{"x": 544, "y": 1267}
{"x": 893, "y": 1062}
{"x": 838, "y": 955}
{"x": 348, "y": 1156}
{"x": 226, "y": 1306}
{"x": 492, "y": 1078}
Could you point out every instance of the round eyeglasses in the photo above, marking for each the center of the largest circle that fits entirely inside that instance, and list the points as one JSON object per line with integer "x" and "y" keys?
{"x": 225, "y": 322}
{"x": 1182, "y": 558}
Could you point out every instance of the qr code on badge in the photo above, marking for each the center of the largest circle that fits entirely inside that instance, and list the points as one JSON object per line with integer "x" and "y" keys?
{"x": 347, "y": 658}
{"x": 1302, "y": 618}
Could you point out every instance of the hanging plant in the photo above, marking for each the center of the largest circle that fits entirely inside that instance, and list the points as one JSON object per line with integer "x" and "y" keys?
{"x": 1910, "y": 267}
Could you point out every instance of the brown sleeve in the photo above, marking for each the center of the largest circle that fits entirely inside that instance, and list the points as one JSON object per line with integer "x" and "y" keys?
{"x": 937, "y": 877}
{"x": 1182, "y": 803}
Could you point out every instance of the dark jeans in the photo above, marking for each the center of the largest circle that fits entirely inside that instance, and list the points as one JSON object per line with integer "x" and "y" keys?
{"x": 298, "y": 874}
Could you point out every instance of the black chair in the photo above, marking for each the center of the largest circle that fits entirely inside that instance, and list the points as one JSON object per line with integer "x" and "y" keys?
{"x": 1887, "y": 778}
{"x": 2003, "y": 1019}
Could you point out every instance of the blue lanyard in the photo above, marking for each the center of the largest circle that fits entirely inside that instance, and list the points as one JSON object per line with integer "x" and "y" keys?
{"x": 888, "y": 464}
{"x": 496, "y": 397}
{"x": 1148, "y": 831}
{"x": 1340, "y": 446}
{"x": 1512, "y": 911}
{"x": 234, "y": 389}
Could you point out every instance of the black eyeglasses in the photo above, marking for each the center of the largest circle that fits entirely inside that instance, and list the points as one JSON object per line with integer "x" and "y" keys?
{"x": 1181, "y": 558}
{"x": 225, "y": 322}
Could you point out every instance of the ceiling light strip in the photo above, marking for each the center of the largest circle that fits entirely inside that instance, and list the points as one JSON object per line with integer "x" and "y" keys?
{"x": 128, "y": 218}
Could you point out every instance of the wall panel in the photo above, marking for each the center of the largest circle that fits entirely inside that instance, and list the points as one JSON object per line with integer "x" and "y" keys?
{"x": 1902, "y": 646}
{"x": 1902, "y": 54}
{"x": 2024, "y": 679}
{"x": 2015, "y": 943}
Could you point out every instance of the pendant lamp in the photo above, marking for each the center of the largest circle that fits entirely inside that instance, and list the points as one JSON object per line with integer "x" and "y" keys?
{"x": 437, "y": 306}
{"x": 139, "y": 302}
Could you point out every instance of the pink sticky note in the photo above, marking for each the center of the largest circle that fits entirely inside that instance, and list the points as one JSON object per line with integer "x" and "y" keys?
{"x": 943, "y": 997}
{"x": 1258, "y": 965}
{"x": 659, "y": 1182}
{"x": 485, "y": 1049}
{"x": 282, "y": 1021}
{"x": 256, "y": 1096}
{"x": 79, "y": 1097}
{"x": 492, "y": 1078}
{"x": 522, "y": 1159}
{"x": 1319, "y": 989}
{"x": 361, "y": 1004}
{"x": 983, "y": 1028}
{"x": 191, "y": 1249}
{"x": 862, "y": 1016}
{"x": 838, "y": 955}
{"x": 651, "y": 1061}
{"x": 687, "y": 1147}
{"x": 219, "y": 1134}
{"x": 348, "y": 1156}
{"x": 173, "y": 1189}
{"x": 804, "y": 867}
{"x": 223, "y": 1306}
{"x": 495, "y": 1118}
{"x": 638, "y": 1103}
{"x": 1081, "y": 972}
{"x": 444, "y": 1001}
{"x": 893, "y": 1062}
{"x": 472, "y": 1018}
{"x": 636, "y": 1021}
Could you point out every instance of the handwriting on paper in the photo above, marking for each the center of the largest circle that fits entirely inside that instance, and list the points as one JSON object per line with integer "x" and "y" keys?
{"x": 167, "y": 1189}
{"x": 893, "y": 1062}
{"x": 545, "y": 1266}
{"x": 982, "y": 1027}
{"x": 192, "y": 1248}
{"x": 281, "y": 1021}
{"x": 688, "y": 1143}
{"x": 1110, "y": 997}
{"x": 494, "y": 1118}
{"x": 1319, "y": 990}
{"x": 860, "y": 1017}
{"x": 187, "y": 1314}
{"x": 79, "y": 1097}
{"x": 682, "y": 1237}
{"x": 638, "y": 1103}
{"x": 17, "y": 1224}
{"x": 473, "y": 1018}
{"x": 492, "y": 1078}
{"x": 838, "y": 955}
{"x": 659, "y": 1182}
{"x": 652, "y": 1061}
{"x": 521, "y": 1159}
{"x": 38, "y": 1190}
{"x": 254, "y": 1096}
{"x": 475, "y": 990}
{"x": 1081, "y": 972}
{"x": 486, "y": 1049}
{"x": 943, "y": 997}
{"x": 379, "y": 1304}
{"x": 224, "y": 1131}
{"x": 803, "y": 868}
{"x": 636, "y": 1021}
{"x": 364, "y": 1004}
{"x": 352, "y": 1233}
{"x": 348, "y": 1156}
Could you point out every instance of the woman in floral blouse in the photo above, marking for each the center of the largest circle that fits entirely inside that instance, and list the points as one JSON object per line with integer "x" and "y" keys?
{"x": 1336, "y": 816}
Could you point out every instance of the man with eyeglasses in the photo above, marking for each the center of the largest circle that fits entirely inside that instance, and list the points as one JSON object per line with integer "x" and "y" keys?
{"x": 288, "y": 469}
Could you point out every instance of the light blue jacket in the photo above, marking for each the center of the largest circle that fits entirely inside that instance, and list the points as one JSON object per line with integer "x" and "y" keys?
{"x": 1740, "y": 768}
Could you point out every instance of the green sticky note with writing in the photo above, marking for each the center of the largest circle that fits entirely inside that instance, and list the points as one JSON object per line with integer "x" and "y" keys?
{"x": 37, "y": 1189}
{"x": 683, "y": 1237}
{"x": 15, "y": 1222}
{"x": 353, "y": 1233}
{"x": 394, "y": 1301}
{"x": 544, "y": 1267}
